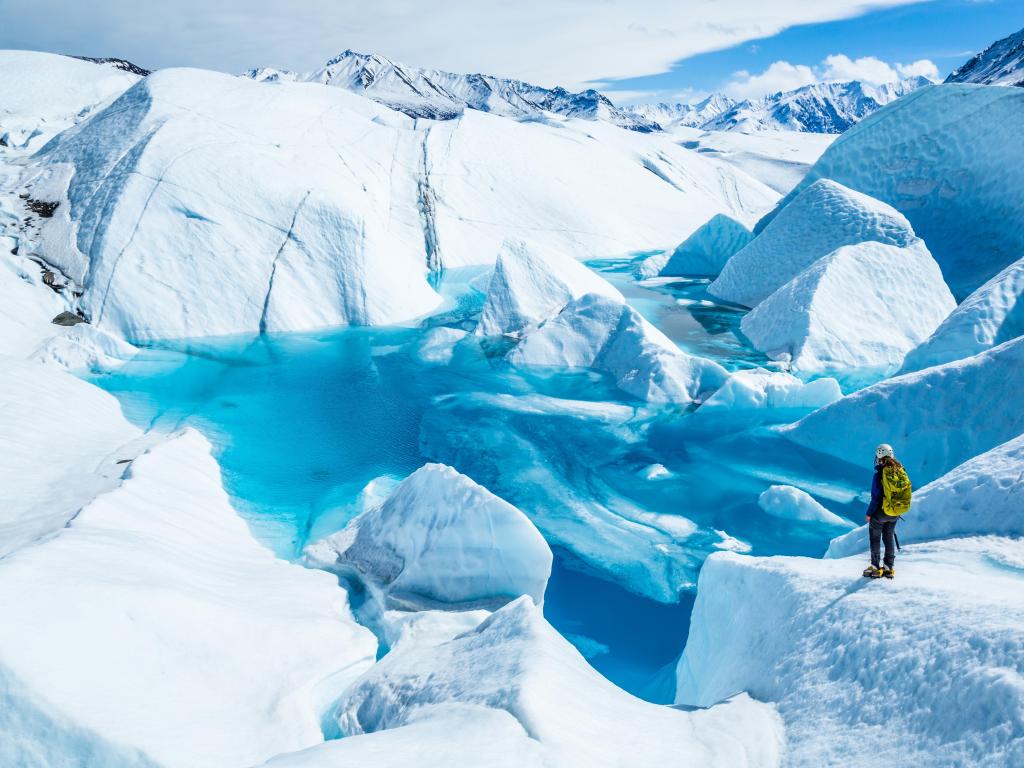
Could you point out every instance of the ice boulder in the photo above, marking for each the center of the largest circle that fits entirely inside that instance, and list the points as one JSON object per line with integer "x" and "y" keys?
{"x": 936, "y": 418}
{"x": 949, "y": 158}
{"x": 922, "y": 670}
{"x": 154, "y": 621}
{"x": 200, "y": 204}
{"x": 60, "y": 443}
{"x": 824, "y": 217}
{"x": 757, "y": 389}
{"x": 516, "y": 662}
{"x": 41, "y": 94}
{"x": 982, "y": 496}
{"x": 859, "y": 309}
{"x": 789, "y": 503}
{"x": 607, "y": 335}
{"x": 531, "y": 284}
{"x": 991, "y": 315}
{"x": 440, "y": 539}
{"x": 706, "y": 251}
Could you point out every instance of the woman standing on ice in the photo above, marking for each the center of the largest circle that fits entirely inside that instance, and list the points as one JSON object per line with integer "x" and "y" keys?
{"x": 890, "y": 498}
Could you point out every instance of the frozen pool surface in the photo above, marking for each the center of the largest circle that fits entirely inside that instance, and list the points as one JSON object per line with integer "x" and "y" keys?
{"x": 303, "y": 422}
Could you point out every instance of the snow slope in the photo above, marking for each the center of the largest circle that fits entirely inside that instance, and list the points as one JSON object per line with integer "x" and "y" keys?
{"x": 982, "y": 496}
{"x": 156, "y": 622}
{"x": 440, "y": 538}
{"x": 60, "y": 441}
{"x": 517, "y": 663}
{"x": 607, "y": 335}
{"x": 857, "y": 311}
{"x": 528, "y": 286}
{"x": 935, "y": 418}
{"x": 991, "y": 315}
{"x": 41, "y": 94}
{"x": 823, "y": 217}
{"x": 922, "y": 155}
{"x": 1002, "y": 63}
{"x": 922, "y": 670}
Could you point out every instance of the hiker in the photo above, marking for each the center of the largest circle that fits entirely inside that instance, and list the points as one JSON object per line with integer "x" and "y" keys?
{"x": 890, "y": 498}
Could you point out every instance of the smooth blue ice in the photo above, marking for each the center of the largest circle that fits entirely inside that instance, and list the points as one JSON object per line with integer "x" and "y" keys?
{"x": 302, "y": 422}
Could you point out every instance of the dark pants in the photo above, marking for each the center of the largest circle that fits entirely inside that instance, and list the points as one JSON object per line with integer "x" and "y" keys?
{"x": 879, "y": 530}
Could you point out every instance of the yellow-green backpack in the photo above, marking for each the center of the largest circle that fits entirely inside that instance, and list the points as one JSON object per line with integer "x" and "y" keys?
{"x": 896, "y": 491}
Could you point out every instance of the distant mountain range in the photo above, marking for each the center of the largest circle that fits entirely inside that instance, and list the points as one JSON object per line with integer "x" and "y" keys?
{"x": 1002, "y": 63}
{"x": 436, "y": 94}
{"x": 818, "y": 108}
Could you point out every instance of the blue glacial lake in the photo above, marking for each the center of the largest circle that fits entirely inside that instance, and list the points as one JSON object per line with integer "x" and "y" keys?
{"x": 301, "y": 423}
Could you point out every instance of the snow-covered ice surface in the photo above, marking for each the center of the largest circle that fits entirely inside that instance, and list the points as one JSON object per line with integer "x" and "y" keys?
{"x": 159, "y": 624}
{"x": 440, "y": 538}
{"x": 921, "y": 154}
{"x": 921, "y": 670}
{"x": 41, "y": 94}
{"x": 788, "y": 502}
{"x": 984, "y": 495}
{"x": 517, "y": 663}
{"x": 608, "y": 335}
{"x": 935, "y": 418}
{"x": 758, "y": 388}
{"x": 822, "y": 218}
{"x": 706, "y": 250}
{"x": 991, "y": 315}
{"x": 856, "y": 312}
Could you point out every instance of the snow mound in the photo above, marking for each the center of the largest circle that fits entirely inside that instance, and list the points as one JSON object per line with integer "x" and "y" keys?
{"x": 706, "y": 250}
{"x": 947, "y": 157}
{"x": 789, "y": 503}
{"x": 758, "y": 388}
{"x": 861, "y": 308}
{"x": 83, "y": 347}
{"x": 936, "y": 418}
{"x": 60, "y": 439}
{"x": 41, "y": 94}
{"x": 157, "y": 594}
{"x": 922, "y": 670}
{"x": 991, "y": 315}
{"x": 984, "y": 495}
{"x": 529, "y": 285}
{"x": 441, "y": 538}
{"x": 516, "y": 662}
{"x": 202, "y": 204}
{"x": 596, "y": 332}
{"x": 822, "y": 218}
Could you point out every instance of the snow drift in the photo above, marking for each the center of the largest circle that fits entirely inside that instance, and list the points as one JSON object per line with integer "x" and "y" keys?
{"x": 935, "y": 418}
{"x": 517, "y": 663}
{"x": 991, "y": 315}
{"x": 922, "y": 154}
{"x": 984, "y": 495}
{"x": 858, "y": 310}
{"x": 822, "y": 218}
{"x": 440, "y": 538}
{"x": 608, "y": 335}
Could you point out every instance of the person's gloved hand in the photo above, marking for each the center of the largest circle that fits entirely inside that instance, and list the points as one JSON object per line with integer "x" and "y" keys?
{"x": 867, "y": 518}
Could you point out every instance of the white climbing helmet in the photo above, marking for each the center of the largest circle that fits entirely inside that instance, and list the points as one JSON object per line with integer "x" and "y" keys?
{"x": 882, "y": 451}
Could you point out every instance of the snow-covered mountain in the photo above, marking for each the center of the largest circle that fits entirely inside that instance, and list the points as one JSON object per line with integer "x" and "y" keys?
{"x": 818, "y": 108}
{"x": 440, "y": 95}
{"x": 123, "y": 64}
{"x": 1002, "y": 63}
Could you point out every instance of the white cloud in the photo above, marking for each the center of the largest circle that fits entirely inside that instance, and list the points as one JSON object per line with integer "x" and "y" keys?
{"x": 780, "y": 76}
{"x": 784, "y": 76}
{"x": 566, "y": 42}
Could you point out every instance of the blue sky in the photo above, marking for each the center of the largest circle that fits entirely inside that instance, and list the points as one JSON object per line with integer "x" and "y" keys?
{"x": 945, "y": 32}
{"x": 631, "y": 49}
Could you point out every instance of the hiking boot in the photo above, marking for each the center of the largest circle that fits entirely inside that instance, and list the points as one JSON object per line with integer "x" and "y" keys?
{"x": 872, "y": 572}
{"x": 888, "y": 572}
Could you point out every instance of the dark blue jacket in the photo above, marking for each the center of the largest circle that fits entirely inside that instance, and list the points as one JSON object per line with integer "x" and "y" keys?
{"x": 877, "y": 494}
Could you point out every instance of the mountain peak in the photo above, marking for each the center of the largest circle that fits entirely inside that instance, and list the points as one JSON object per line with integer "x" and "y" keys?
{"x": 1002, "y": 63}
